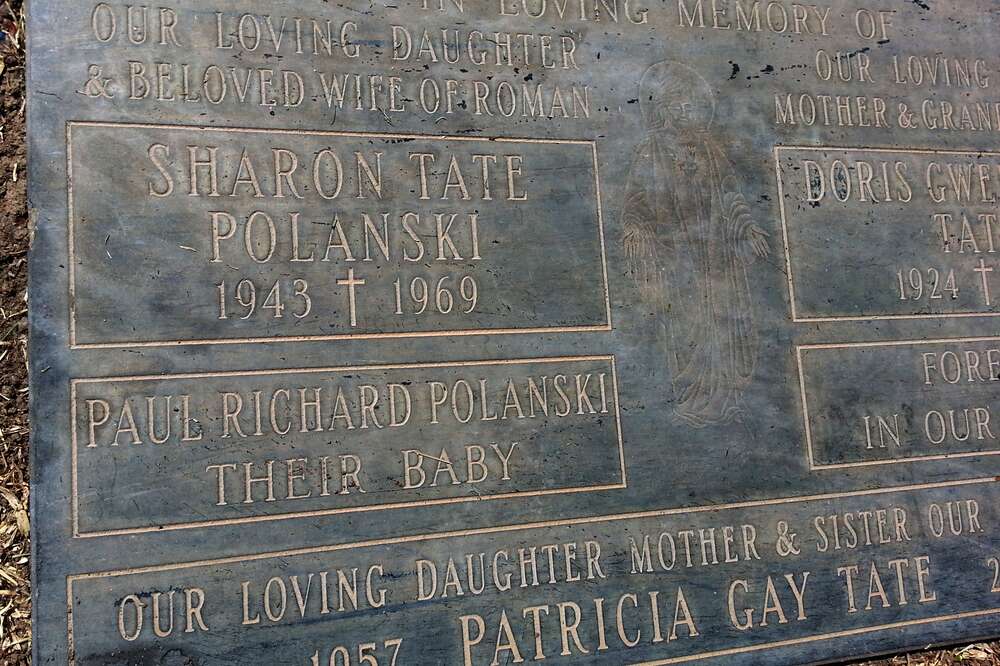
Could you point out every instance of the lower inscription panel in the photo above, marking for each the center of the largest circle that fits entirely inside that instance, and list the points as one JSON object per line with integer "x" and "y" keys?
{"x": 214, "y": 449}
{"x": 889, "y": 402}
{"x": 661, "y": 587}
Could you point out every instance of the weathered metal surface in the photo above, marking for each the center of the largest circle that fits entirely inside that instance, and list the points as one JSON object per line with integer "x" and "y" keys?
{"x": 443, "y": 332}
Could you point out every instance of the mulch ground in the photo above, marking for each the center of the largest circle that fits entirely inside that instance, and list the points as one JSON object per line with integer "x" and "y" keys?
{"x": 15, "y": 583}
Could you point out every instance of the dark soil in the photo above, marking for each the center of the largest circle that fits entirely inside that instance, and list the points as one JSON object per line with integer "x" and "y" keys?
{"x": 15, "y": 586}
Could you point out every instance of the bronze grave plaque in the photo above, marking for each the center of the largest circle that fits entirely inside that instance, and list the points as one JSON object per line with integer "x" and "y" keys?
{"x": 503, "y": 331}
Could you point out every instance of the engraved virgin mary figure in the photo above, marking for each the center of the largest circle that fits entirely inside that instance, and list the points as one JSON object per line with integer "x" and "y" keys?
{"x": 689, "y": 238}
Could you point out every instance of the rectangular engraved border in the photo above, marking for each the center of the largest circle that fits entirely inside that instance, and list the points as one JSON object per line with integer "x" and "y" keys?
{"x": 813, "y": 466}
{"x": 611, "y": 518}
{"x": 796, "y": 317}
{"x": 475, "y": 497}
{"x": 606, "y": 326}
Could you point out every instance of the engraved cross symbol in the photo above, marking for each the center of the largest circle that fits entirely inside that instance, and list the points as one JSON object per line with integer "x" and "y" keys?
{"x": 352, "y": 298}
{"x": 983, "y": 269}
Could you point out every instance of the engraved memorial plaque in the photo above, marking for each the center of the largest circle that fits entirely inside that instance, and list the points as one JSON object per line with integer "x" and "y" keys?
{"x": 492, "y": 332}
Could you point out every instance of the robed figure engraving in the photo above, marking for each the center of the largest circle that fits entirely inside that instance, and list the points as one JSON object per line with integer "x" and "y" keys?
{"x": 689, "y": 239}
